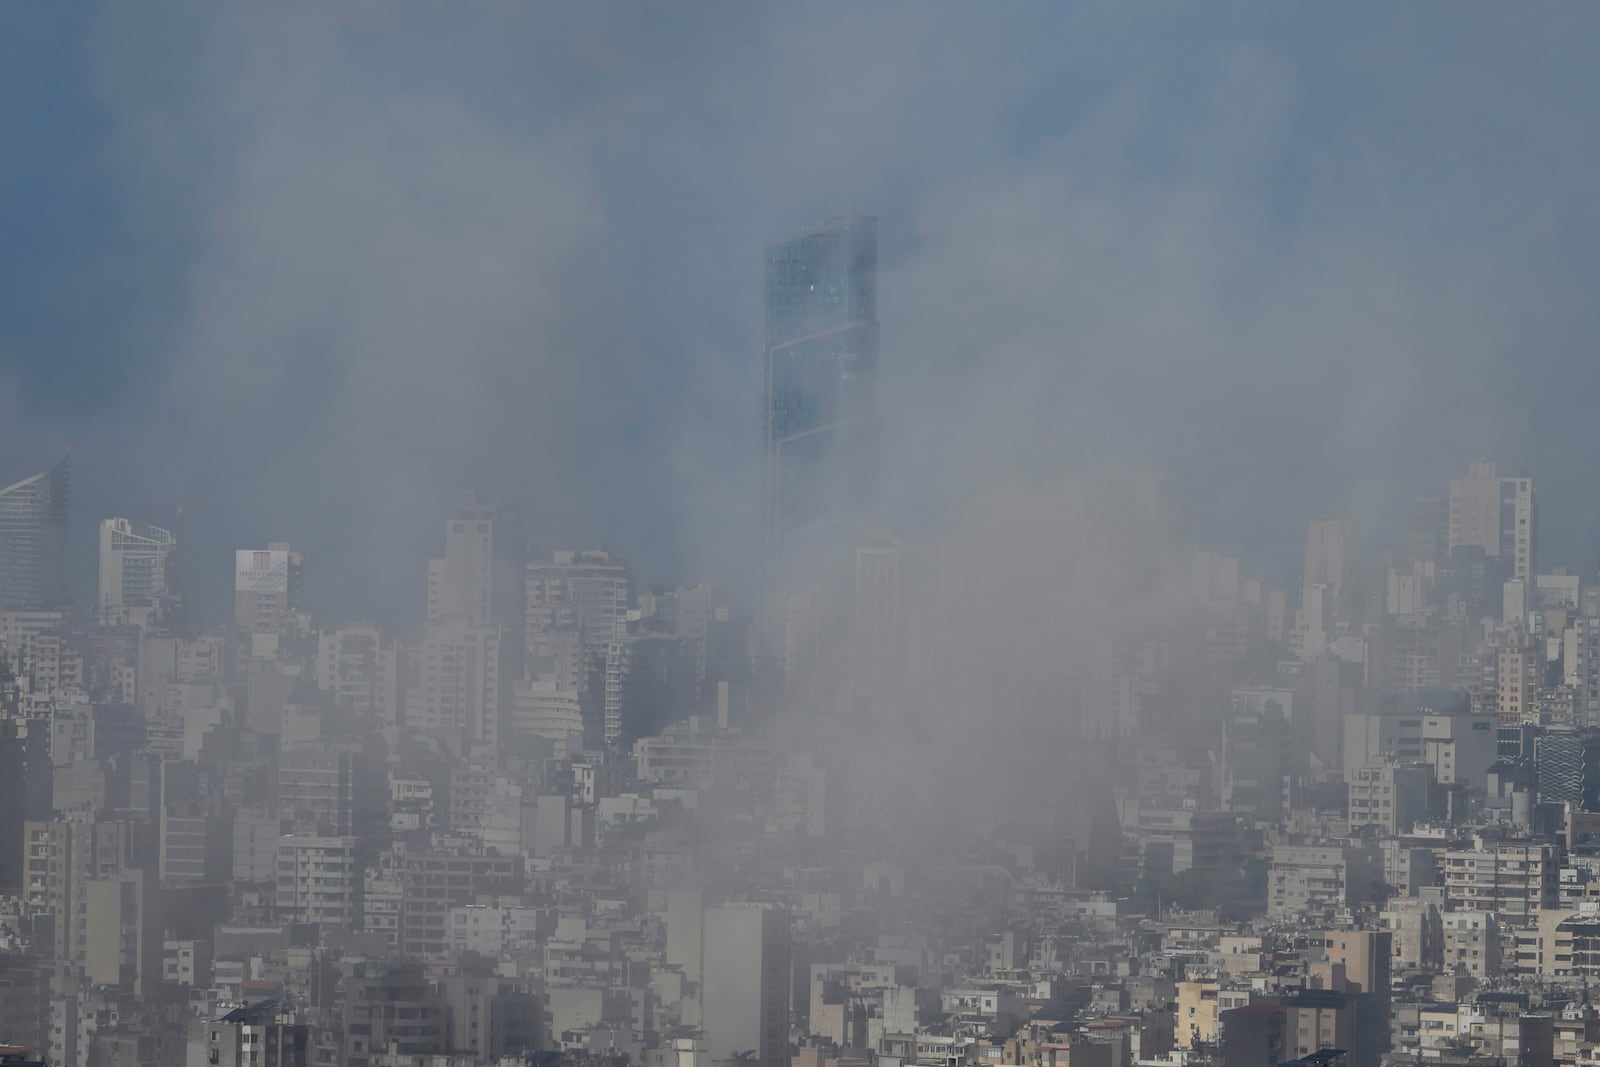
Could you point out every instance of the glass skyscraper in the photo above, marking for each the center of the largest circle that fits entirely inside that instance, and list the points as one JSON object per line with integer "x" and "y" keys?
{"x": 820, "y": 361}
{"x": 33, "y": 540}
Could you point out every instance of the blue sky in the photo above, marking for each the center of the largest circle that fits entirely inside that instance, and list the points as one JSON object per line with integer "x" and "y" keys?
{"x": 315, "y": 270}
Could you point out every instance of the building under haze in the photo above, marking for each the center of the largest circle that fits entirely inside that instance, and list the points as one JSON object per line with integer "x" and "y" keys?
{"x": 1498, "y": 515}
{"x": 820, "y": 368}
{"x": 135, "y": 568}
{"x": 261, "y": 1033}
{"x": 745, "y": 959}
{"x": 33, "y": 540}
{"x": 876, "y": 664}
{"x": 266, "y": 587}
{"x": 465, "y": 683}
{"x": 588, "y": 590}
{"x": 479, "y": 579}
{"x": 360, "y": 670}
{"x": 472, "y": 646}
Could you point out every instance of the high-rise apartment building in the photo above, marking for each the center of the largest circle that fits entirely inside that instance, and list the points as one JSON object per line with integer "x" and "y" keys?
{"x": 744, "y": 988}
{"x": 479, "y": 579}
{"x": 465, "y": 683}
{"x": 96, "y": 877}
{"x": 820, "y": 368}
{"x": 318, "y": 881}
{"x": 1498, "y": 515}
{"x": 393, "y": 1013}
{"x": 1388, "y": 793}
{"x": 266, "y": 587}
{"x": 1322, "y": 586}
{"x": 1514, "y": 879}
{"x": 1475, "y": 509}
{"x": 121, "y": 937}
{"x": 316, "y": 788}
{"x": 472, "y": 648}
{"x": 591, "y": 590}
{"x": 1367, "y": 958}
{"x": 1304, "y": 879}
{"x": 1587, "y": 658}
{"x": 1257, "y": 759}
{"x": 1519, "y": 524}
{"x": 433, "y": 881}
{"x": 1518, "y": 671}
{"x": 135, "y": 568}
{"x": 33, "y": 540}
{"x": 646, "y": 682}
{"x": 360, "y": 670}
{"x": 264, "y": 1033}
{"x": 255, "y": 845}
{"x": 618, "y": 665}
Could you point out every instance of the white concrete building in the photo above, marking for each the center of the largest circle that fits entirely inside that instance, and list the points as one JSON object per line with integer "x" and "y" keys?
{"x": 135, "y": 568}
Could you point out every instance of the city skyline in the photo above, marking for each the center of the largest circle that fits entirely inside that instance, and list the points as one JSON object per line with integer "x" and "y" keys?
{"x": 1277, "y": 305}
{"x": 1400, "y": 718}
{"x": 1480, "y": 509}
{"x": 902, "y": 534}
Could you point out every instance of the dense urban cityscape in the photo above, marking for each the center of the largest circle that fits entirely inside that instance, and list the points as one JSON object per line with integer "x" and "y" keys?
{"x": 852, "y": 533}
{"x": 574, "y": 817}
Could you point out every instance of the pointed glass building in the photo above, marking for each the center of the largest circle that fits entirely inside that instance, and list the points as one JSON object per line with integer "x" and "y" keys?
{"x": 33, "y": 540}
{"x": 820, "y": 364}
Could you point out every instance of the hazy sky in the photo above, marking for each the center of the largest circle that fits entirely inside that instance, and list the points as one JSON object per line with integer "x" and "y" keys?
{"x": 316, "y": 270}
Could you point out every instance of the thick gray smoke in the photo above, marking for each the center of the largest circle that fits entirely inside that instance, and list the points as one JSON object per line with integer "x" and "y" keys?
{"x": 1149, "y": 280}
{"x": 373, "y": 255}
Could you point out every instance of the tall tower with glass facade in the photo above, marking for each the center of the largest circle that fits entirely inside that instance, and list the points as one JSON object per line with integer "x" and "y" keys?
{"x": 820, "y": 404}
{"x": 33, "y": 540}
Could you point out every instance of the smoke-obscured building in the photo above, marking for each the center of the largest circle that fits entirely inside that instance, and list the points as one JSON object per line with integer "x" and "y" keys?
{"x": 135, "y": 568}
{"x": 1498, "y": 515}
{"x": 33, "y": 540}
{"x": 266, "y": 587}
{"x": 745, "y": 962}
{"x": 590, "y": 591}
{"x": 262, "y": 1033}
{"x": 820, "y": 373}
{"x": 479, "y": 579}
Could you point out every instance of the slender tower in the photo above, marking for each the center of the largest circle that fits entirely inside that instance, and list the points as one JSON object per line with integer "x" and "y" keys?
{"x": 820, "y": 402}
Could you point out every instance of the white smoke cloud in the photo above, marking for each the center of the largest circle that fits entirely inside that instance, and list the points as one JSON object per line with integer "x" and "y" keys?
{"x": 1304, "y": 266}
